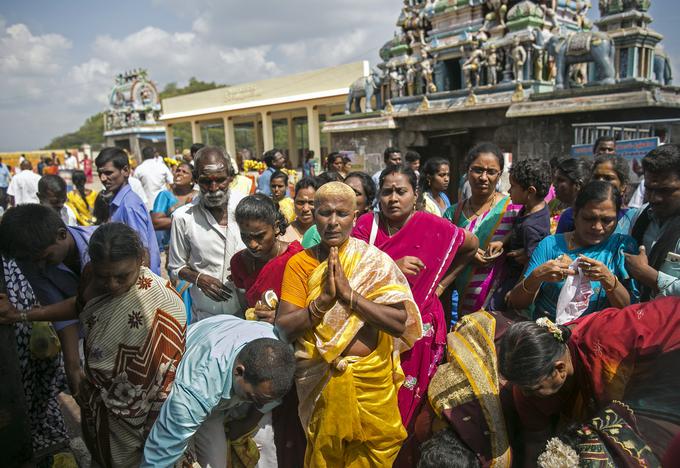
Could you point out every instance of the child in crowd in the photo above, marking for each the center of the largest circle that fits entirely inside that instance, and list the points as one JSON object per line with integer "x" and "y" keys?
{"x": 279, "y": 185}
{"x": 529, "y": 184}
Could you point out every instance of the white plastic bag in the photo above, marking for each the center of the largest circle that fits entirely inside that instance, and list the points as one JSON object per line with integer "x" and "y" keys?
{"x": 574, "y": 297}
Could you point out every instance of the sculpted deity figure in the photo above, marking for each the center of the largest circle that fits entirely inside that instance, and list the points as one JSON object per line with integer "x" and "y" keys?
{"x": 582, "y": 7}
{"x": 427, "y": 73}
{"x": 497, "y": 11}
{"x": 472, "y": 65}
{"x": 549, "y": 8}
{"x": 491, "y": 63}
{"x": 410, "y": 79}
{"x": 519, "y": 57}
{"x": 396, "y": 82}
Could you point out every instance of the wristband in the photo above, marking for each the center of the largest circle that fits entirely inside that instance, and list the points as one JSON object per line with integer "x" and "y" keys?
{"x": 197, "y": 276}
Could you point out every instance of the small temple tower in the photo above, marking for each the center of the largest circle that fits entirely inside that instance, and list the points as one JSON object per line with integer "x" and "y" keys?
{"x": 132, "y": 118}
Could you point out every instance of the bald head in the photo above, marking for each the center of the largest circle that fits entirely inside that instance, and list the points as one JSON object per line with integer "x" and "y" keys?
{"x": 213, "y": 159}
{"x": 336, "y": 190}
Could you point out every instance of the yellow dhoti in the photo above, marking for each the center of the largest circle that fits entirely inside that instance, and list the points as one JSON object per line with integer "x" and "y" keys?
{"x": 348, "y": 404}
{"x": 356, "y": 421}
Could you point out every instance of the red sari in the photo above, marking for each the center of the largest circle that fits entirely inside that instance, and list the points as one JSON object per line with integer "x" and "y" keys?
{"x": 269, "y": 277}
{"x": 434, "y": 241}
{"x": 631, "y": 355}
{"x": 289, "y": 437}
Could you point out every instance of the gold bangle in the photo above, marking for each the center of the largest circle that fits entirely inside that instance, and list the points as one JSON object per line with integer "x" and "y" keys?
{"x": 525, "y": 288}
{"x": 319, "y": 309}
{"x": 314, "y": 310}
{"x": 616, "y": 283}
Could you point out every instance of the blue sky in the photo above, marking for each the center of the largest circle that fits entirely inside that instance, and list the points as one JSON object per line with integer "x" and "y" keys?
{"x": 58, "y": 57}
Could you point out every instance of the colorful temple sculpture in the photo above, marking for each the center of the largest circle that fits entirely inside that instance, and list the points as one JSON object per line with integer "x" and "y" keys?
{"x": 510, "y": 60}
{"x": 131, "y": 121}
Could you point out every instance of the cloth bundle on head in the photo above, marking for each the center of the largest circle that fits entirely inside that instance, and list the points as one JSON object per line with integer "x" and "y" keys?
{"x": 467, "y": 386}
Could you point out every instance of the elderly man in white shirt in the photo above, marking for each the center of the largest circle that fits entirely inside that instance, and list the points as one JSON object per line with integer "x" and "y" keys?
{"x": 52, "y": 193}
{"x": 204, "y": 236}
{"x": 153, "y": 174}
{"x": 23, "y": 188}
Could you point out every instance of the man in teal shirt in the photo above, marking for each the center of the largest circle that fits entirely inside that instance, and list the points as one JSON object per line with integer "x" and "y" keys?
{"x": 233, "y": 371}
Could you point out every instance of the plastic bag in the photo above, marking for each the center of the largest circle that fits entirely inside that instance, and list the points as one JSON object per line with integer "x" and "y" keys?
{"x": 574, "y": 296}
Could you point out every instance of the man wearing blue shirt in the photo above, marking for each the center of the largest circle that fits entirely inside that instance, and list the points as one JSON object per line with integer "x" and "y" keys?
{"x": 4, "y": 183}
{"x": 232, "y": 372}
{"x": 124, "y": 205}
{"x": 51, "y": 256}
{"x": 275, "y": 161}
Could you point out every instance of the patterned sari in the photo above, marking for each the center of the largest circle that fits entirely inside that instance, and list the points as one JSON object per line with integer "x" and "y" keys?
{"x": 436, "y": 252}
{"x": 476, "y": 284}
{"x": 630, "y": 355}
{"x": 348, "y": 404}
{"x": 466, "y": 392}
{"x": 133, "y": 344}
{"x": 43, "y": 379}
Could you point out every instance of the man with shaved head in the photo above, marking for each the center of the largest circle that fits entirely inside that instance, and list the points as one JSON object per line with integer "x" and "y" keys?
{"x": 350, "y": 313}
{"x": 204, "y": 236}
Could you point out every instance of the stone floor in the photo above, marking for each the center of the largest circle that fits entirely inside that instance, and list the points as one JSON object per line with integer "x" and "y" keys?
{"x": 71, "y": 412}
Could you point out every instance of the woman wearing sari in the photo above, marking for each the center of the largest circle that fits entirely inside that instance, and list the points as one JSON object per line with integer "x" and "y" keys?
{"x": 303, "y": 206}
{"x": 258, "y": 269}
{"x": 397, "y": 231}
{"x": 565, "y": 374}
{"x": 133, "y": 323}
{"x": 350, "y": 313}
{"x": 432, "y": 186}
{"x": 490, "y": 216}
{"x": 81, "y": 199}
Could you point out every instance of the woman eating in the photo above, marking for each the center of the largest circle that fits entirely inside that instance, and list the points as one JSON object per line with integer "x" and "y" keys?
{"x": 599, "y": 252}
{"x": 490, "y": 216}
{"x": 565, "y": 374}
{"x": 432, "y": 186}
{"x": 614, "y": 169}
{"x": 167, "y": 201}
{"x": 133, "y": 324}
{"x": 259, "y": 267}
{"x": 303, "y": 206}
{"x": 81, "y": 199}
{"x": 398, "y": 231}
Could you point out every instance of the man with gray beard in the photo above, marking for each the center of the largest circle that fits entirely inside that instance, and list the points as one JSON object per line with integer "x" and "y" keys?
{"x": 204, "y": 236}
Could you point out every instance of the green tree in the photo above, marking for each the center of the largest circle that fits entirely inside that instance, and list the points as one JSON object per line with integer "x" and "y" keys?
{"x": 92, "y": 131}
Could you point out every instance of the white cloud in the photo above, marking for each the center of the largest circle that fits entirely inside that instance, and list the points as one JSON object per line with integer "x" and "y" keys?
{"x": 48, "y": 92}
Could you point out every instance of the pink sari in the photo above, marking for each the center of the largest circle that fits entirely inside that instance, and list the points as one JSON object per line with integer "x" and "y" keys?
{"x": 436, "y": 250}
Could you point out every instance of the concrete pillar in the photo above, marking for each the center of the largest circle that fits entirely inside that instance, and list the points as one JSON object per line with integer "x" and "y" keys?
{"x": 267, "y": 130}
{"x": 229, "y": 136}
{"x": 292, "y": 147}
{"x": 259, "y": 150}
{"x": 169, "y": 141}
{"x": 313, "y": 128}
{"x": 196, "y": 132}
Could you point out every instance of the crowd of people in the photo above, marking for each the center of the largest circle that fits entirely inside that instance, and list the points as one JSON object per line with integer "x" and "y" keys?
{"x": 351, "y": 320}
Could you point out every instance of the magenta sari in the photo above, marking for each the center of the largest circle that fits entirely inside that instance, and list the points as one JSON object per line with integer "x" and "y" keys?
{"x": 434, "y": 241}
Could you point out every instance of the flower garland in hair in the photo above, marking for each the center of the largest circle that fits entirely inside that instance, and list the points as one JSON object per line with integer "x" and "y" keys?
{"x": 553, "y": 329}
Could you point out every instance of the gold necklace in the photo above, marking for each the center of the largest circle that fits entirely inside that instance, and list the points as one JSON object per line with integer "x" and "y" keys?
{"x": 389, "y": 228}
{"x": 481, "y": 208}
